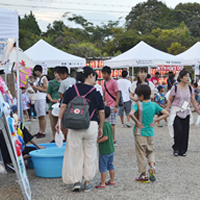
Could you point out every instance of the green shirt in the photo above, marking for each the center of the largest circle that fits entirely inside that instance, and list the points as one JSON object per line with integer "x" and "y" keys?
{"x": 107, "y": 147}
{"x": 53, "y": 91}
{"x": 147, "y": 111}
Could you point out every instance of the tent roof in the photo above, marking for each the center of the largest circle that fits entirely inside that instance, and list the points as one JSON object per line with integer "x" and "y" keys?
{"x": 22, "y": 58}
{"x": 47, "y": 55}
{"x": 142, "y": 55}
{"x": 9, "y": 24}
{"x": 192, "y": 55}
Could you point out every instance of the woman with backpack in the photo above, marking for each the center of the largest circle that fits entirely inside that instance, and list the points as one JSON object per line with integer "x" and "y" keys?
{"x": 179, "y": 100}
{"x": 142, "y": 79}
{"x": 80, "y": 158}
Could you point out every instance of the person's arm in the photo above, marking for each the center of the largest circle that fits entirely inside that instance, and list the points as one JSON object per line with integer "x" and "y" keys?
{"x": 50, "y": 98}
{"x": 164, "y": 115}
{"x": 152, "y": 94}
{"x": 103, "y": 139}
{"x": 35, "y": 144}
{"x": 117, "y": 102}
{"x": 101, "y": 121}
{"x": 61, "y": 113}
{"x": 132, "y": 97}
{"x": 169, "y": 102}
{"x": 194, "y": 102}
{"x": 44, "y": 86}
{"x": 132, "y": 116}
{"x": 60, "y": 96}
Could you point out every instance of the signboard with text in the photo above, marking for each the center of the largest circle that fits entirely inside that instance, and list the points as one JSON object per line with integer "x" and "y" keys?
{"x": 169, "y": 67}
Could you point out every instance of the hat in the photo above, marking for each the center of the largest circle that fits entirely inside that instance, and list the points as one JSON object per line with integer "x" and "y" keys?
{"x": 14, "y": 108}
{"x": 160, "y": 87}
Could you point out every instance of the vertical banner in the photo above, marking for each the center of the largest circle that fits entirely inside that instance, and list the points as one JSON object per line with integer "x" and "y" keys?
{"x": 8, "y": 127}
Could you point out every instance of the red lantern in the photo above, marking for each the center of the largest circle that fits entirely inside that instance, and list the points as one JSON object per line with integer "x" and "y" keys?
{"x": 96, "y": 64}
{"x": 112, "y": 73}
{"x": 92, "y": 63}
{"x": 120, "y": 72}
{"x": 100, "y": 63}
{"x": 116, "y": 73}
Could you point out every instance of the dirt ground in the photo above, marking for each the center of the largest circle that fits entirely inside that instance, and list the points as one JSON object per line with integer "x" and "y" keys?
{"x": 177, "y": 177}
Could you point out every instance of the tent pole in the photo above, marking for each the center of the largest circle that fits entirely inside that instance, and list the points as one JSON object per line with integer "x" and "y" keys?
{"x": 132, "y": 73}
{"x": 18, "y": 83}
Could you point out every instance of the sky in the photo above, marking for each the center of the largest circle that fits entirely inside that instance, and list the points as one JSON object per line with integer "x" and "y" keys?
{"x": 95, "y": 11}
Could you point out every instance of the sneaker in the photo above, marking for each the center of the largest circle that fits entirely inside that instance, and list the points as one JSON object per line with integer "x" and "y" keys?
{"x": 175, "y": 153}
{"x": 123, "y": 125}
{"x": 128, "y": 124}
{"x": 115, "y": 144}
{"x": 184, "y": 154}
{"x": 142, "y": 179}
{"x": 76, "y": 187}
{"x": 40, "y": 135}
{"x": 159, "y": 125}
{"x": 152, "y": 175}
{"x": 87, "y": 188}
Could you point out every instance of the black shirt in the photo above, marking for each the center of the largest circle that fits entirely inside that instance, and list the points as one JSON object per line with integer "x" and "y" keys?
{"x": 96, "y": 100}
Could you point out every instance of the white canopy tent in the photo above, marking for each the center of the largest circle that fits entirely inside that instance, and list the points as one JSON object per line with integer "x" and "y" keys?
{"x": 46, "y": 55}
{"x": 191, "y": 56}
{"x": 22, "y": 58}
{"x": 9, "y": 24}
{"x": 142, "y": 55}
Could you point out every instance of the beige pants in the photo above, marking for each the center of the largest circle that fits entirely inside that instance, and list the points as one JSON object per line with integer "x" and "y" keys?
{"x": 144, "y": 148}
{"x": 80, "y": 159}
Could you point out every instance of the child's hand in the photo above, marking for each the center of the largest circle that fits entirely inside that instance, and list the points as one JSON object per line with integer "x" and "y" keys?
{"x": 139, "y": 125}
{"x": 152, "y": 124}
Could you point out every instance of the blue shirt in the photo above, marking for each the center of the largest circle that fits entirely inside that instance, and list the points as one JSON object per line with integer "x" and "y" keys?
{"x": 160, "y": 98}
{"x": 197, "y": 95}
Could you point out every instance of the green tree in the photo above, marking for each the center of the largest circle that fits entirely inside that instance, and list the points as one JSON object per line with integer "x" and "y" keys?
{"x": 189, "y": 13}
{"x": 146, "y": 16}
{"x": 29, "y": 24}
{"x": 176, "y": 48}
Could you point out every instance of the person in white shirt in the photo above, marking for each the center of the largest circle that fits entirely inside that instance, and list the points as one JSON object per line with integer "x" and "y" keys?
{"x": 97, "y": 86}
{"x": 142, "y": 79}
{"x": 124, "y": 86}
{"x": 40, "y": 89}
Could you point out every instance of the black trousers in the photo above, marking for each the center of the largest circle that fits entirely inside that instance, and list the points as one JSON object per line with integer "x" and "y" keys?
{"x": 181, "y": 134}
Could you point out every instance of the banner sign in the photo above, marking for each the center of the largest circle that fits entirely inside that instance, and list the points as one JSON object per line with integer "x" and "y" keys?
{"x": 169, "y": 67}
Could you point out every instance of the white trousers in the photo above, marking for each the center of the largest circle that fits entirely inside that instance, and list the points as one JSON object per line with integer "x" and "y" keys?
{"x": 80, "y": 159}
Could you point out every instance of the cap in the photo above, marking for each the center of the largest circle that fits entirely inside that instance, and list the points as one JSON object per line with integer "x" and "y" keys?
{"x": 160, "y": 87}
{"x": 14, "y": 108}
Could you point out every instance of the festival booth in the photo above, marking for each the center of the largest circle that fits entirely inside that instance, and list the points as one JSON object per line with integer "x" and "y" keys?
{"x": 9, "y": 34}
{"x": 48, "y": 56}
{"x": 143, "y": 55}
{"x": 191, "y": 57}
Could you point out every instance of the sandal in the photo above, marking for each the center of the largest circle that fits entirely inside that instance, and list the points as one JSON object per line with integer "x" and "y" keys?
{"x": 40, "y": 135}
{"x": 109, "y": 183}
{"x": 99, "y": 186}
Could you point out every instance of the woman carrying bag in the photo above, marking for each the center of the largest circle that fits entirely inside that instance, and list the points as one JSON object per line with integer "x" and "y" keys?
{"x": 80, "y": 158}
{"x": 179, "y": 106}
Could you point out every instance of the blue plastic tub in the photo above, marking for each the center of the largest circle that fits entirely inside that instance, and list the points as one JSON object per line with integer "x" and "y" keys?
{"x": 47, "y": 145}
{"x": 48, "y": 162}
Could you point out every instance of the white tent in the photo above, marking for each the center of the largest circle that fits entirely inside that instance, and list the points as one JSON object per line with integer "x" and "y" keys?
{"x": 22, "y": 58}
{"x": 142, "y": 55}
{"x": 9, "y": 24}
{"x": 46, "y": 55}
{"x": 191, "y": 56}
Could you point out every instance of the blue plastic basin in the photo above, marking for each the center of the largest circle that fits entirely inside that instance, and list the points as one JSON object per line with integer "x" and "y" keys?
{"x": 48, "y": 162}
{"x": 47, "y": 145}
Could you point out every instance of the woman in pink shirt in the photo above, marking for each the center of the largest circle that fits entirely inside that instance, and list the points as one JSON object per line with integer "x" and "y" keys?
{"x": 179, "y": 100}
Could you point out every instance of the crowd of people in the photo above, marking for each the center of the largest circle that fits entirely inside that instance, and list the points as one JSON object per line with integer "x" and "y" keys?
{"x": 142, "y": 100}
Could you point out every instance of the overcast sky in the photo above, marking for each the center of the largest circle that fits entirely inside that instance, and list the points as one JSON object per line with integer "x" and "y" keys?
{"x": 95, "y": 11}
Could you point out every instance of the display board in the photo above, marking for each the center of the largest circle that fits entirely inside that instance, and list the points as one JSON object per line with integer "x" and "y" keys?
{"x": 8, "y": 127}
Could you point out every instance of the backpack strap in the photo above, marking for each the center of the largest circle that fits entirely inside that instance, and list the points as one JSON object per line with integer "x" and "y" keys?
{"x": 76, "y": 89}
{"x": 93, "y": 88}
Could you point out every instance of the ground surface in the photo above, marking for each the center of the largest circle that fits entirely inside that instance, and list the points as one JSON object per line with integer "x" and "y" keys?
{"x": 177, "y": 177}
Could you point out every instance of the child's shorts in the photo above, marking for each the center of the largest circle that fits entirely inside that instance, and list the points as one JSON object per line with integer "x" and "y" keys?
{"x": 106, "y": 162}
{"x": 113, "y": 116}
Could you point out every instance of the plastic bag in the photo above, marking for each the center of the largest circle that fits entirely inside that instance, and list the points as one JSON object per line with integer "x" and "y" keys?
{"x": 198, "y": 121}
{"x": 59, "y": 137}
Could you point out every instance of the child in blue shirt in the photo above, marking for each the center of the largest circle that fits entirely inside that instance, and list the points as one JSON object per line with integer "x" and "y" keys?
{"x": 160, "y": 100}
{"x": 106, "y": 153}
{"x": 197, "y": 94}
{"x": 145, "y": 110}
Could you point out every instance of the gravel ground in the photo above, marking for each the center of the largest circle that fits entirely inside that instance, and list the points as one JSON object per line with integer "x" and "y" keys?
{"x": 177, "y": 177}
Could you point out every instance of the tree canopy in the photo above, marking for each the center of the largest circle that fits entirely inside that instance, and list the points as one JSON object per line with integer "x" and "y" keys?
{"x": 169, "y": 30}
